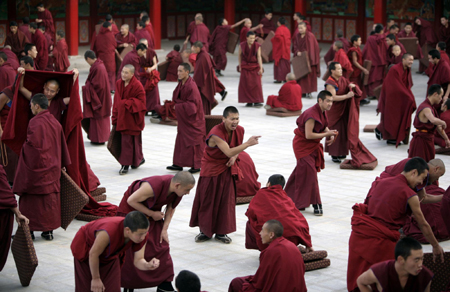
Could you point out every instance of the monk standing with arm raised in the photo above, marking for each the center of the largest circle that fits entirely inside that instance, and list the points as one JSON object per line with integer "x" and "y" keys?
{"x": 214, "y": 203}
{"x": 246, "y": 28}
{"x": 105, "y": 49}
{"x": 281, "y": 46}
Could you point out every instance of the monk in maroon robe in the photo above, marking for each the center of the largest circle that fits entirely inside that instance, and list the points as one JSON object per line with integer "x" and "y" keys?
{"x": 426, "y": 34}
{"x": 306, "y": 42}
{"x": 407, "y": 32}
{"x": 390, "y": 275}
{"x": 441, "y": 47}
{"x": 149, "y": 75}
{"x": 281, "y": 46}
{"x": 8, "y": 208}
{"x": 289, "y": 96}
{"x": 204, "y": 77}
{"x": 105, "y": 49}
{"x": 445, "y": 116}
{"x": 354, "y": 54}
{"x": 24, "y": 28}
{"x": 12, "y": 58}
{"x": 45, "y": 18}
{"x": 50, "y": 43}
{"x": 16, "y": 39}
{"x": 133, "y": 58}
{"x": 344, "y": 117}
{"x": 37, "y": 180}
{"x": 267, "y": 23}
{"x": 189, "y": 144}
{"x": 346, "y": 45}
{"x": 375, "y": 51}
{"x": 249, "y": 186}
{"x": 125, "y": 38}
{"x": 128, "y": 117}
{"x": 200, "y": 33}
{"x": 141, "y": 33}
{"x": 149, "y": 27}
{"x": 218, "y": 43}
{"x": 97, "y": 100}
{"x": 426, "y": 122}
{"x": 190, "y": 29}
{"x": 102, "y": 244}
{"x": 288, "y": 274}
{"x": 299, "y": 18}
{"x": 303, "y": 186}
{"x": 61, "y": 53}
{"x": 396, "y": 104}
{"x": 114, "y": 28}
{"x": 444, "y": 32}
{"x": 40, "y": 41}
{"x": 375, "y": 225}
{"x": 7, "y": 72}
{"x": 214, "y": 203}
{"x": 440, "y": 72}
{"x": 251, "y": 69}
{"x": 273, "y": 202}
{"x": 149, "y": 196}
{"x": 342, "y": 58}
{"x": 246, "y": 28}
{"x": 392, "y": 57}
{"x": 175, "y": 60}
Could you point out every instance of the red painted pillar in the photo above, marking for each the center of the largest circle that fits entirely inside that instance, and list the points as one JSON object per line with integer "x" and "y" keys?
{"x": 72, "y": 36}
{"x": 229, "y": 13}
{"x": 379, "y": 12}
{"x": 300, "y": 6}
{"x": 155, "y": 18}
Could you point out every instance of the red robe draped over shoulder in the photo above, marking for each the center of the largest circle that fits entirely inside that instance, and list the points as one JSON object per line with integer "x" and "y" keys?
{"x": 61, "y": 56}
{"x": 40, "y": 41}
{"x": 309, "y": 44}
{"x": 204, "y": 78}
{"x": 218, "y": 46}
{"x": 344, "y": 117}
{"x": 142, "y": 34}
{"x": 396, "y": 104}
{"x": 175, "y": 60}
{"x": 342, "y": 58}
{"x": 281, "y": 43}
{"x": 330, "y": 55}
{"x": 7, "y": 202}
{"x": 152, "y": 97}
{"x": 24, "y": 28}
{"x": 17, "y": 41}
{"x": 149, "y": 28}
{"x": 440, "y": 74}
{"x": 289, "y": 97}
{"x": 250, "y": 87}
{"x": 200, "y": 34}
{"x": 132, "y": 277}
{"x": 132, "y": 58}
{"x": 425, "y": 33}
{"x": 375, "y": 51}
{"x": 273, "y": 203}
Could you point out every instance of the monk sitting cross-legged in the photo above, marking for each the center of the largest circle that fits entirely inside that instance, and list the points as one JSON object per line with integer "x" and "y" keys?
{"x": 99, "y": 247}
{"x": 273, "y": 202}
{"x": 281, "y": 266}
{"x": 289, "y": 96}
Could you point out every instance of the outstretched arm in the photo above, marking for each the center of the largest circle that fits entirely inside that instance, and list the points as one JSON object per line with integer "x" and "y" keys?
{"x": 238, "y": 23}
{"x": 230, "y": 152}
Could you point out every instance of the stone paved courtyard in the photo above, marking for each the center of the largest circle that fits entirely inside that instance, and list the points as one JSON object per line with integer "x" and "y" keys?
{"x": 216, "y": 263}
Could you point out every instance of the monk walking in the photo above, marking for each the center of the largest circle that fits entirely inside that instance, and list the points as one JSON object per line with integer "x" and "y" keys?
{"x": 41, "y": 46}
{"x": 189, "y": 144}
{"x": 426, "y": 122}
{"x": 375, "y": 51}
{"x": 354, "y": 54}
{"x": 43, "y": 156}
{"x": 105, "y": 48}
{"x": 289, "y": 272}
{"x": 289, "y": 96}
{"x": 16, "y": 39}
{"x": 45, "y": 18}
{"x": 97, "y": 100}
{"x": 99, "y": 247}
{"x": 204, "y": 77}
{"x": 251, "y": 68}
{"x": 61, "y": 53}
{"x": 214, "y": 203}
{"x": 128, "y": 117}
{"x": 303, "y": 186}
{"x": 281, "y": 46}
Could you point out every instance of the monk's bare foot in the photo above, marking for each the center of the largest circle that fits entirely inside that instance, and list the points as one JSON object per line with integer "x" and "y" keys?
{"x": 267, "y": 107}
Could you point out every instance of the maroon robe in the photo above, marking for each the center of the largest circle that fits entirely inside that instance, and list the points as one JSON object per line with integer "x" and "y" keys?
{"x": 153, "y": 100}
{"x": 214, "y": 208}
{"x": 128, "y": 117}
{"x": 391, "y": 58}
{"x": 175, "y": 60}
{"x": 343, "y": 60}
{"x": 329, "y": 56}
{"x": 281, "y": 45}
{"x": 12, "y": 58}
{"x": 132, "y": 277}
{"x": 129, "y": 39}
{"x": 142, "y": 34}
{"x": 40, "y": 41}
{"x": 200, "y": 34}
{"x": 444, "y": 36}
{"x": 47, "y": 21}
{"x": 356, "y": 76}
{"x": 61, "y": 56}
{"x": 422, "y": 143}
{"x": 440, "y": 74}
{"x": 309, "y": 44}
{"x": 268, "y": 26}
{"x": 403, "y": 34}
{"x": 287, "y": 275}
{"x": 204, "y": 78}
{"x": 375, "y": 51}
{"x": 50, "y": 44}
{"x": 7, "y": 202}
{"x": 190, "y": 141}
{"x": 17, "y": 41}
{"x": 249, "y": 186}
{"x": 10, "y": 159}
{"x": 250, "y": 87}
{"x": 303, "y": 186}
{"x": 395, "y": 121}
{"x": 273, "y": 203}
{"x": 114, "y": 29}
{"x": 191, "y": 28}
{"x": 7, "y": 75}
{"x": 105, "y": 47}
{"x": 438, "y": 140}
{"x": 444, "y": 57}
{"x": 344, "y": 117}
{"x": 97, "y": 103}
{"x": 37, "y": 180}
{"x": 218, "y": 46}
{"x": 444, "y": 209}
{"x": 110, "y": 260}
{"x": 149, "y": 28}
{"x": 243, "y": 34}
{"x": 426, "y": 35}
{"x": 289, "y": 97}
{"x": 24, "y": 28}
{"x": 132, "y": 58}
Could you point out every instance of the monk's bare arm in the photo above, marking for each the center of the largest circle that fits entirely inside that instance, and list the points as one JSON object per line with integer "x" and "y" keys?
{"x": 357, "y": 65}
{"x": 25, "y": 92}
{"x": 144, "y": 192}
{"x": 256, "y": 27}
{"x": 447, "y": 93}
{"x": 238, "y": 23}
{"x": 332, "y": 90}
{"x": 365, "y": 280}
{"x": 309, "y": 134}
{"x": 167, "y": 219}
{"x": 155, "y": 64}
{"x": 99, "y": 246}
{"x": 425, "y": 198}
{"x": 426, "y": 115}
{"x": 414, "y": 204}
{"x": 444, "y": 136}
{"x": 260, "y": 62}
{"x": 230, "y": 152}
{"x": 142, "y": 264}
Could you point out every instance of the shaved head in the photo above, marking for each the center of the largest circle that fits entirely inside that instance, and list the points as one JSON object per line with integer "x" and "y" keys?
{"x": 126, "y": 26}
{"x": 184, "y": 178}
{"x": 290, "y": 77}
{"x": 52, "y": 81}
{"x": 437, "y": 162}
{"x": 276, "y": 227}
{"x": 130, "y": 67}
{"x": 7, "y": 47}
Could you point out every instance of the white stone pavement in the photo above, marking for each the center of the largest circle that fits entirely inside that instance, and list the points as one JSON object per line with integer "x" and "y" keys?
{"x": 215, "y": 263}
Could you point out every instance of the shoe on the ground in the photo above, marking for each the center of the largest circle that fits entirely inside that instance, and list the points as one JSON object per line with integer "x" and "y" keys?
{"x": 309, "y": 95}
{"x": 378, "y": 134}
{"x": 142, "y": 162}
{"x": 391, "y": 142}
{"x": 201, "y": 237}
{"x": 372, "y": 97}
{"x": 364, "y": 101}
{"x": 194, "y": 170}
{"x": 47, "y": 235}
{"x": 32, "y": 235}
{"x": 267, "y": 107}
{"x": 223, "y": 238}
{"x": 174, "y": 167}
{"x": 97, "y": 143}
{"x": 112, "y": 91}
{"x": 224, "y": 94}
{"x": 335, "y": 159}
{"x": 318, "y": 212}
{"x": 276, "y": 81}
{"x": 249, "y": 105}
{"x": 303, "y": 94}
{"x": 218, "y": 73}
{"x": 124, "y": 169}
{"x": 342, "y": 156}
{"x": 258, "y": 104}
